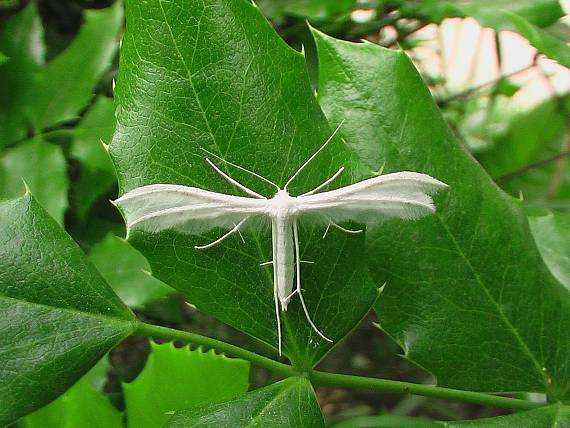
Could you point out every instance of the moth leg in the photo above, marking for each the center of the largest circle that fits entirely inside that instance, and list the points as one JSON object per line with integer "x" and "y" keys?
{"x": 298, "y": 290}
{"x": 327, "y": 230}
{"x": 221, "y": 238}
{"x": 234, "y": 182}
{"x": 270, "y": 262}
{"x": 344, "y": 229}
{"x": 326, "y": 182}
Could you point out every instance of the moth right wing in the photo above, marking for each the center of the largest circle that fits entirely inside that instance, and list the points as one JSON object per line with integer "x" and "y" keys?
{"x": 185, "y": 209}
{"x": 405, "y": 195}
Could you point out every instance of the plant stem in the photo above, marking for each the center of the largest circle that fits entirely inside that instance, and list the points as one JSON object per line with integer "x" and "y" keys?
{"x": 398, "y": 387}
{"x": 334, "y": 379}
{"x": 150, "y": 330}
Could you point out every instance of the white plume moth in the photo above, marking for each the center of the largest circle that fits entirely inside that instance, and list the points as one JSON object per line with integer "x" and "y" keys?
{"x": 186, "y": 209}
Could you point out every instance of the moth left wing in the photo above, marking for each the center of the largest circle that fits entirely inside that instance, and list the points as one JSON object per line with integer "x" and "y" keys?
{"x": 186, "y": 209}
{"x": 399, "y": 195}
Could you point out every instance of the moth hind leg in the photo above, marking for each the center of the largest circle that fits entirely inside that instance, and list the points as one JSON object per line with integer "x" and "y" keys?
{"x": 298, "y": 290}
{"x": 222, "y": 238}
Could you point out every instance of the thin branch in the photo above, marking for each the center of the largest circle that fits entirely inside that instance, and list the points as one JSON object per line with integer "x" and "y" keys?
{"x": 397, "y": 387}
{"x": 460, "y": 95}
{"x": 334, "y": 379}
{"x": 532, "y": 166}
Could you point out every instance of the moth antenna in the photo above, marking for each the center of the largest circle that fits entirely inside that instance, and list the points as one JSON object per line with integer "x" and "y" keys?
{"x": 234, "y": 182}
{"x": 313, "y": 155}
{"x": 326, "y": 182}
{"x": 241, "y": 168}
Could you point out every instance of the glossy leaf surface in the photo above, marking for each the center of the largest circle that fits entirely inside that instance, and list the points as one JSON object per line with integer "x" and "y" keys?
{"x": 289, "y": 403}
{"x": 59, "y": 317}
{"x": 177, "y": 378}
{"x": 468, "y": 296}
{"x": 196, "y": 77}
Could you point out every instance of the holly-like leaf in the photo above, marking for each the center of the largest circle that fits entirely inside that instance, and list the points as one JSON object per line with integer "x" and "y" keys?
{"x": 59, "y": 317}
{"x": 289, "y": 403}
{"x": 127, "y": 272}
{"x": 552, "y": 236}
{"x": 97, "y": 174}
{"x": 312, "y": 9}
{"x": 468, "y": 296}
{"x": 43, "y": 168}
{"x": 37, "y": 97}
{"x": 22, "y": 37}
{"x": 80, "y": 406}
{"x": 177, "y": 378}
{"x": 195, "y": 77}
{"x": 551, "y": 416}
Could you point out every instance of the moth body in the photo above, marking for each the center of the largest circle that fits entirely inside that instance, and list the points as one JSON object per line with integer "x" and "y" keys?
{"x": 282, "y": 209}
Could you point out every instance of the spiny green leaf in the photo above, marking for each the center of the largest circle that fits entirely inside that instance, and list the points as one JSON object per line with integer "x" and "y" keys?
{"x": 217, "y": 77}
{"x": 552, "y": 236}
{"x": 127, "y": 272}
{"x": 80, "y": 406}
{"x": 97, "y": 174}
{"x": 289, "y": 403}
{"x": 59, "y": 317}
{"x": 468, "y": 296}
{"x": 177, "y": 378}
{"x": 552, "y": 416}
{"x": 42, "y": 166}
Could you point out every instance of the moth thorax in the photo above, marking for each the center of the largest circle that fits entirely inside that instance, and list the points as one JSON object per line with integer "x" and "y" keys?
{"x": 282, "y": 205}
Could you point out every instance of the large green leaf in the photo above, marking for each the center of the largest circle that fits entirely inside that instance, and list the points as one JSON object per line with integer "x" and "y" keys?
{"x": 42, "y": 166}
{"x": 552, "y": 236}
{"x": 58, "y": 315}
{"x": 289, "y": 403}
{"x": 80, "y": 406}
{"x": 468, "y": 296}
{"x": 219, "y": 78}
{"x": 127, "y": 272}
{"x": 557, "y": 416}
{"x": 97, "y": 174}
{"x": 177, "y": 378}
{"x": 39, "y": 97}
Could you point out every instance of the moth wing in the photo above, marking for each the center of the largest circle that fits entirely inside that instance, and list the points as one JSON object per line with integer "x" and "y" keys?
{"x": 185, "y": 209}
{"x": 405, "y": 195}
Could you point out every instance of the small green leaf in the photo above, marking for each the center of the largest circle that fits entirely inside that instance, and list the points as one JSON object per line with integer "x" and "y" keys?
{"x": 467, "y": 296}
{"x": 43, "y": 167}
{"x": 22, "y": 37}
{"x": 80, "y": 406}
{"x": 312, "y": 9}
{"x": 127, "y": 272}
{"x": 289, "y": 403}
{"x": 39, "y": 96}
{"x": 490, "y": 13}
{"x": 59, "y": 317}
{"x": 192, "y": 76}
{"x": 178, "y": 378}
{"x": 65, "y": 86}
{"x": 97, "y": 173}
{"x": 551, "y": 416}
{"x": 552, "y": 236}
{"x": 388, "y": 421}
{"x": 543, "y": 41}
